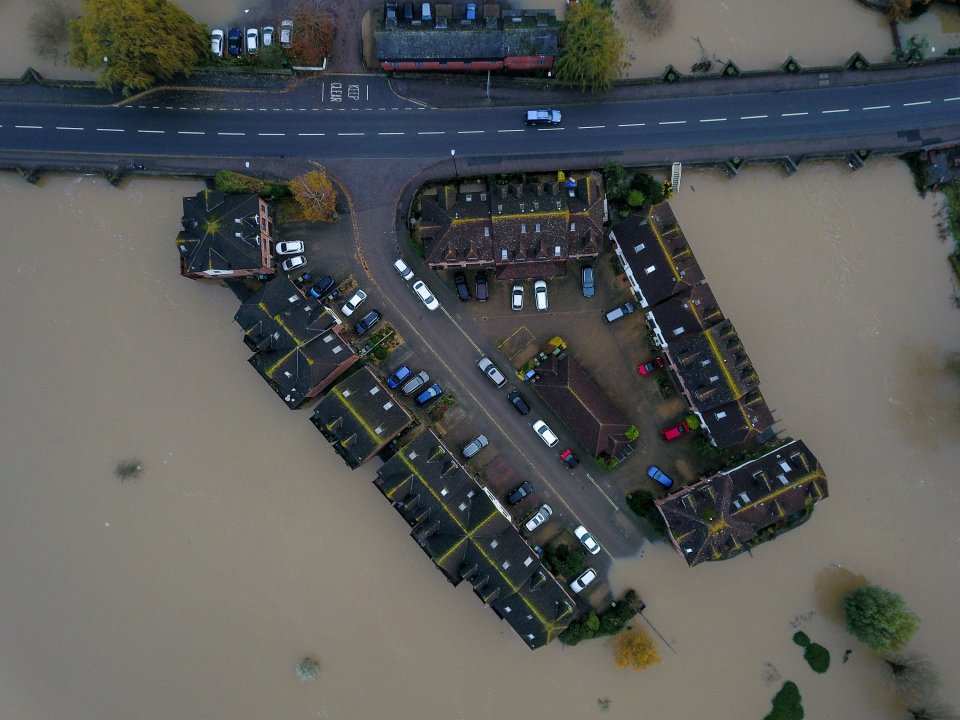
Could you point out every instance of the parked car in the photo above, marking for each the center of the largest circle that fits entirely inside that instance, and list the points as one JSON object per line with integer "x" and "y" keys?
{"x": 293, "y": 263}
{"x": 543, "y": 117}
{"x": 367, "y": 322}
{"x": 460, "y": 280}
{"x": 471, "y": 11}
{"x": 491, "y": 371}
{"x": 542, "y": 514}
{"x": 234, "y": 45}
{"x": 649, "y": 367}
{"x": 267, "y": 35}
{"x": 322, "y": 287}
{"x": 289, "y": 247}
{"x": 657, "y": 474}
{"x": 583, "y": 580}
{"x": 403, "y": 270}
{"x": 430, "y": 394}
{"x": 519, "y": 492}
{"x": 408, "y": 11}
{"x": 423, "y": 292}
{"x": 399, "y": 375}
{"x": 425, "y": 13}
{"x": 253, "y": 41}
{"x": 216, "y": 43}
{"x": 586, "y": 539}
{"x": 516, "y": 297}
{"x": 475, "y": 446}
{"x": 480, "y": 287}
{"x": 286, "y": 33}
{"x": 569, "y": 459}
{"x": 390, "y": 10}
{"x": 351, "y": 305}
{"x": 675, "y": 431}
{"x": 516, "y": 399}
{"x": 415, "y": 383}
{"x": 545, "y": 433}
{"x": 618, "y": 312}
{"x": 586, "y": 281}
{"x": 540, "y": 295}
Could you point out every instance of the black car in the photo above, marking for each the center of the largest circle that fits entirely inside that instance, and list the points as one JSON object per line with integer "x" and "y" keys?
{"x": 233, "y": 42}
{"x": 408, "y": 11}
{"x": 367, "y": 322}
{"x": 322, "y": 287}
{"x": 460, "y": 280}
{"x": 520, "y": 492}
{"x": 516, "y": 399}
{"x": 482, "y": 290}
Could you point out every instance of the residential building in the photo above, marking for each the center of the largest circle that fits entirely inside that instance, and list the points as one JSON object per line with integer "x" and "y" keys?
{"x": 225, "y": 236}
{"x": 469, "y": 536}
{"x": 683, "y": 315}
{"x": 296, "y": 346}
{"x": 359, "y": 416}
{"x": 722, "y": 515}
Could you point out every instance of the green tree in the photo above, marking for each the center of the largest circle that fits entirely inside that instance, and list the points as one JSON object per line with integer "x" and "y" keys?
{"x": 592, "y": 51}
{"x": 564, "y": 560}
{"x": 635, "y": 199}
{"x": 615, "y": 181}
{"x": 641, "y": 502}
{"x": 879, "y": 618}
{"x": 133, "y": 44}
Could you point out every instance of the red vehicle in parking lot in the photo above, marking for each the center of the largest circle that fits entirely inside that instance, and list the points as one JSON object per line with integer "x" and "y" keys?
{"x": 676, "y": 431}
{"x": 569, "y": 459}
{"x": 652, "y": 366}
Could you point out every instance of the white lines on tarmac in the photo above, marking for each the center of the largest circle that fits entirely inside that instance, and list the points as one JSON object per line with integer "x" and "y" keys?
{"x": 672, "y": 122}
{"x": 713, "y": 120}
{"x": 311, "y": 134}
{"x": 271, "y": 134}
{"x": 920, "y": 102}
{"x": 431, "y": 132}
{"x": 191, "y": 132}
{"x": 753, "y": 117}
{"x": 231, "y": 133}
{"x": 153, "y": 132}
{"x": 830, "y": 112}
{"x": 61, "y": 127}
{"x": 109, "y": 130}
{"x": 631, "y": 125}
{"x": 794, "y": 114}
{"x": 470, "y": 132}
{"x": 590, "y": 127}
{"x": 349, "y": 134}
{"x": 951, "y": 99}
{"x": 506, "y": 131}
{"x": 29, "y": 127}
{"x": 550, "y": 129}
{"x": 877, "y": 107}
{"x": 389, "y": 133}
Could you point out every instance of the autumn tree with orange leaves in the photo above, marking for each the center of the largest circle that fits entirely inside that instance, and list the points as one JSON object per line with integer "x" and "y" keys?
{"x": 635, "y": 649}
{"x": 315, "y": 194}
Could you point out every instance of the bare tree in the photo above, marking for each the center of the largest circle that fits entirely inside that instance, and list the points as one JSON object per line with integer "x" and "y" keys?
{"x": 913, "y": 675}
{"x": 655, "y": 17}
{"x": 933, "y": 710}
{"x": 48, "y": 28}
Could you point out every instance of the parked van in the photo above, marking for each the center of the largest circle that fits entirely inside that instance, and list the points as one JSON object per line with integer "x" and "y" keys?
{"x": 618, "y": 312}
{"x": 425, "y": 14}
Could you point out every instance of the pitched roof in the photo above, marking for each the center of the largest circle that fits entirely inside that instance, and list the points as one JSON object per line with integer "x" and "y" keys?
{"x": 685, "y": 314}
{"x": 715, "y": 517}
{"x": 297, "y": 348}
{"x": 224, "y": 235}
{"x": 468, "y": 536}
{"x": 359, "y": 417}
{"x": 738, "y": 421}
{"x": 582, "y": 406}
{"x": 472, "y": 42}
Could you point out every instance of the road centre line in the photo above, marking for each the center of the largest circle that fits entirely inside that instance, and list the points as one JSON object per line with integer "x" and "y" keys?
{"x": 310, "y": 134}
{"x": 431, "y": 132}
{"x": 877, "y": 107}
{"x": 632, "y": 125}
{"x": 713, "y": 120}
{"x": 828, "y": 112}
{"x": 920, "y": 102}
{"x": 796, "y": 114}
{"x": 109, "y": 130}
{"x": 271, "y": 134}
{"x": 59, "y": 127}
{"x": 673, "y": 122}
{"x": 951, "y": 99}
{"x": 155, "y": 132}
{"x": 349, "y": 134}
{"x": 590, "y": 127}
{"x": 389, "y": 133}
{"x": 230, "y": 133}
{"x": 550, "y": 129}
{"x": 191, "y": 132}
{"x": 469, "y": 132}
{"x": 512, "y": 130}
{"x": 29, "y": 127}
{"x": 754, "y": 117}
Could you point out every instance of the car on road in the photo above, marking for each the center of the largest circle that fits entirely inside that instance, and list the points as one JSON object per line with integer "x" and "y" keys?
{"x": 491, "y": 371}
{"x": 542, "y": 514}
{"x": 649, "y": 367}
{"x": 322, "y": 287}
{"x": 583, "y": 580}
{"x": 475, "y": 446}
{"x": 569, "y": 459}
{"x": 545, "y": 433}
{"x": 657, "y": 474}
{"x": 403, "y": 270}
{"x": 516, "y": 399}
{"x": 267, "y": 35}
{"x": 460, "y": 280}
{"x": 543, "y": 117}
{"x": 216, "y": 43}
{"x": 586, "y": 281}
{"x": 618, "y": 312}
{"x": 423, "y": 292}
{"x": 293, "y": 263}
{"x": 516, "y": 297}
{"x": 415, "y": 383}
{"x": 234, "y": 45}
{"x": 540, "y": 295}
{"x": 481, "y": 289}
{"x": 253, "y": 41}
{"x": 519, "y": 492}
{"x": 586, "y": 539}
{"x": 351, "y": 305}
{"x": 286, "y": 33}
{"x": 399, "y": 375}
{"x": 430, "y": 394}
{"x": 675, "y": 431}
{"x": 367, "y": 322}
{"x": 289, "y": 247}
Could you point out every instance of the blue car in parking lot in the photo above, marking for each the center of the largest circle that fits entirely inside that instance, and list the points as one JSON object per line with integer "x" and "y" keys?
{"x": 657, "y": 474}
{"x": 430, "y": 394}
{"x": 396, "y": 380}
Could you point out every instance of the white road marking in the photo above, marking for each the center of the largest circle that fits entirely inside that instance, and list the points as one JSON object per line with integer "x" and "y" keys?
{"x": 29, "y": 127}
{"x": 590, "y": 127}
{"x": 877, "y": 107}
{"x": 796, "y": 114}
{"x": 59, "y": 127}
{"x": 349, "y": 134}
{"x": 310, "y": 134}
{"x": 389, "y": 133}
{"x": 109, "y": 130}
{"x": 828, "y": 112}
{"x": 469, "y": 132}
{"x": 190, "y": 132}
{"x": 951, "y": 99}
{"x": 632, "y": 125}
{"x": 753, "y": 117}
{"x": 271, "y": 134}
{"x": 505, "y": 131}
{"x": 714, "y": 120}
{"x": 230, "y": 133}
{"x": 155, "y": 132}
{"x": 920, "y": 102}
{"x": 673, "y": 122}
{"x": 550, "y": 129}
{"x": 431, "y": 132}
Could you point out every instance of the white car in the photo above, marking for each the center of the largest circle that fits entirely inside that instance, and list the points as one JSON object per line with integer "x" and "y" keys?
{"x": 584, "y": 579}
{"x": 351, "y": 305}
{"x": 216, "y": 43}
{"x": 545, "y": 433}
{"x": 423, "y": 292}
{"x": 516, "y": 298}
{"x": 491, "y": 371}
{"x": 267, "y": 36}
{"x": 253, "y": 41}
{"x": 540, "y": 294}
{"x": 586, "y": 539}
{"x": 289, "y": 247}
{"x": 403, "y": 270}
{"x": 286, "y": 33}
{"x": 293, "y": 263}
{"x": 542, "y": 514}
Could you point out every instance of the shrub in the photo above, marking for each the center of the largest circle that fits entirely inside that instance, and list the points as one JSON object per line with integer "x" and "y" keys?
{"x": 615, "y": 181}
{"x": 817, "y": 657}
{"x": 801, "y": 639}
{"x": 787, "y": 703}
{"x": 563, "y": 560}
{"x": 879, "y": 618}
{"x": 632, "y": 433}
{"x": 636, "y": 649}
{"x": 641, "y": 502}
{"x": 635, "y": 199}
{"x": 609, "y": 623}
{"x": 652, "y": 189}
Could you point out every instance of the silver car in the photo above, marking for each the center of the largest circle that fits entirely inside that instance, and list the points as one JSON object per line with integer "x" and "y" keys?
{"x": 584, "y": 579}
{"x": 542, "y": 514}
{"x": 491, "y": 371}
{"x": 475, "y": 446}
{"x": 415, "y": 383}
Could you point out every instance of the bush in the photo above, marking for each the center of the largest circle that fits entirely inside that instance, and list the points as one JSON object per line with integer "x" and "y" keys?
{"x": 563, "y": 560}
{"x": 801, "y": 639}
{"x": 632, "y": 433}
{"x": 786, "y": 704}
{"x": 636, "y": 650}
{"x": 652, "y": 189}
{"x": 817, "y": 657}
{"x": 641, "y": 502}
{"x": 615, "y": 181}
{"x": 236, "y": 183}
{"x": 635, "y": 199}
{"x": 879, "y": 618}
{"x": 609, "y": 623}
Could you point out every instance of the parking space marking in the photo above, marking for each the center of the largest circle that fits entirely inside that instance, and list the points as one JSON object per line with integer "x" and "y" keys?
{"x": 601, "y": 491}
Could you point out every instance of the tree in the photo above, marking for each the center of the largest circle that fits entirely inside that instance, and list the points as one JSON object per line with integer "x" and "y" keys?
{"x": 133, "y": 44}
{"x": 879, "y": 618}
{"x": 315, "y": 194}
{"x": 49, "y": 28}
{"x": 615, "y": 181}
{"x": 635, "y": 199}
{"x": 641, "y": 502}
{"x": 913, "y": 675}
{"x": 932, "y": 710}
{"x": 635, "y": 649}
{"x": 914, "y": 52}
{"x": 313, "y": 39}
{"x": 564, "y": 560}
{"x": 592, "y": 52}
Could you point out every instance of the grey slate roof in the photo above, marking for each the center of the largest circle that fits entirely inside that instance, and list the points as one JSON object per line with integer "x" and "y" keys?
{"x": 426, "y": 42}
{"x": 738, "y": 421}
{"x": 685, "y": 314}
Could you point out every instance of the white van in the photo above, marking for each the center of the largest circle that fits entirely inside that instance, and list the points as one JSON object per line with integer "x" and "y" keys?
{"x": 425, "y": 12}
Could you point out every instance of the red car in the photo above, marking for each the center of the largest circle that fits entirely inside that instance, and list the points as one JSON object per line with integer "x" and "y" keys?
{"x": 569, "y": 459}
{"x": 651, "y": 366}
{"x": 678, "y": 430}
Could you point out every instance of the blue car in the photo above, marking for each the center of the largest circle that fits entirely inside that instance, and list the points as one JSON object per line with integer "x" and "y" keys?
{"x": 657, "y": 474}
{"x": 233, "y": 42}
{"x": 401, "y": 374}
{"x": 430, "y": 394}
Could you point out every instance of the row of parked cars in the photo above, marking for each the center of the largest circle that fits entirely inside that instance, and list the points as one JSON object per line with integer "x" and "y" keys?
{"x": 421, "y": 11}
{"x": 248, "y": 41}
{"x": 408, "y": 382}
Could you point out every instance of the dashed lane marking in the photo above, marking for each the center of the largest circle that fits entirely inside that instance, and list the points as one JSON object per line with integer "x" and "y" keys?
{"x": 631, "y": 125}
{"x": 109, "y": 130}
{"x": 951, "y": 99}
{"x": 506, "y": 131}
{"x": 431, "y": 132}
{"x": 754, "y": 117}
{"x": 311, "y": 134}
{"x": 191, "y": 132}
{"x": 153, "y": 132}
{"x": 794, "y": 114}
{"x": 550, "y": 129}
{"x": 349, "y": 134}
{"x": 230, "y": 133}
{"x": 29, "y": 127}
{"x": 713, "y": 120}
{"x": 62, "y": 127}
{"x": 830, "y": 112}
{"x": 469, "y": 132}
{"x": 877, "y": 107}
{"x": 389, "y": 133}
{"x": 673, "y": 122}
{"x": 919, "y": 102}
{"x": 271, "y": 134}
{"x": 590, "y": 127}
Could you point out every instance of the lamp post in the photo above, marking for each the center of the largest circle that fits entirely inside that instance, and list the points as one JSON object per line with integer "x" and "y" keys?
{"x": 453, "y": 154}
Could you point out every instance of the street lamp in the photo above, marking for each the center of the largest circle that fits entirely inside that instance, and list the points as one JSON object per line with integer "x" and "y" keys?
{"x": 453, "y": 154}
